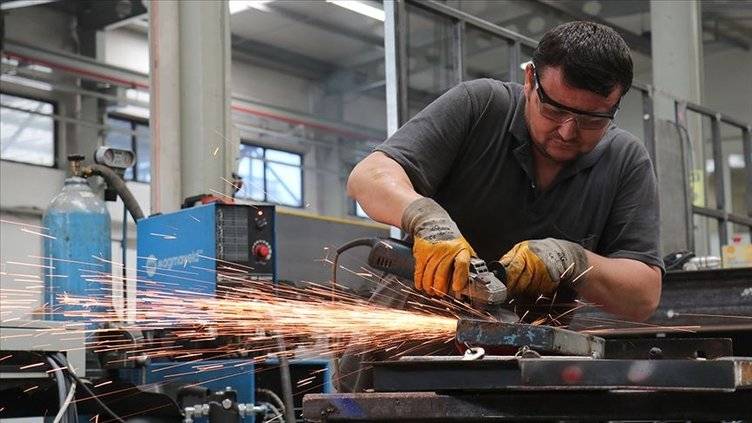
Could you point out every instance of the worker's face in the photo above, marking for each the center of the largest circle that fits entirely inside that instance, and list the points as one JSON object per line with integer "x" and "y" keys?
{"x": 562, "y": 138}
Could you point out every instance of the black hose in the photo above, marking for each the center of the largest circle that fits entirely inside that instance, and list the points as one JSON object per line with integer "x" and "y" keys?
{"x": 115, "y": 182}
{"x": 360, "y": 242}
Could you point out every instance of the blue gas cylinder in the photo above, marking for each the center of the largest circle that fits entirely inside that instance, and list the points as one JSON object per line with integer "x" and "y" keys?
{"x": 78, "y": 252}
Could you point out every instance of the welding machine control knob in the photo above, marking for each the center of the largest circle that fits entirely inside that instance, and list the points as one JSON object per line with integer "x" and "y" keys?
{"x": 261, "y": 222}
{"x": 261, "y": 250}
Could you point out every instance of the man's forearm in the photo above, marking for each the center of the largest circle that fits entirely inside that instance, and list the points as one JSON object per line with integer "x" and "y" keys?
{"x": 625, "y": 287}
{"x": 382, "y": 188}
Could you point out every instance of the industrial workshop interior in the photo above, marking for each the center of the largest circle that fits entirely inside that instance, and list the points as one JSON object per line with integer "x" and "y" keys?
{"x": 223, "y": 211}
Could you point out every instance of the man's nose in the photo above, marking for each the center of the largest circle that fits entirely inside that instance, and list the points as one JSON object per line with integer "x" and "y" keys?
{"x": 568, "y": 129}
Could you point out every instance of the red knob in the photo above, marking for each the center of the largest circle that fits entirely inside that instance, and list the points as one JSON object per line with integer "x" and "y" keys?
{"x": 261, "y": 251}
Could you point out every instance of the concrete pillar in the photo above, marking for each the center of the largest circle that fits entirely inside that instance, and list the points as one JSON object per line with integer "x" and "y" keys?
{"x": 676, "y": 34}
{"x": 676, "y": 38}
{"x": 193, "y": 145}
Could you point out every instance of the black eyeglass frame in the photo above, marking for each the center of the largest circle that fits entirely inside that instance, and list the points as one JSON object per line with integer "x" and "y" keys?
{"x": 544, "y": 98}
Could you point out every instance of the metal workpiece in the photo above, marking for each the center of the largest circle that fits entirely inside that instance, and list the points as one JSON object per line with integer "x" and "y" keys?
{"x": 542, "y": 339}
{"x": 698, "y": 301}
{"x": 561, "y": 374}
{"x": 529, "y": 406}
{"x": 669, "y": 348}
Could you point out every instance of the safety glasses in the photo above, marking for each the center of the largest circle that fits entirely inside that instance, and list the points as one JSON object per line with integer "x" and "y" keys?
{"x": 560, "y": 113}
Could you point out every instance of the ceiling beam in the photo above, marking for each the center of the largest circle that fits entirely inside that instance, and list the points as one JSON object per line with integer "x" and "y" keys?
{"x": 281, "y": 59}
{"x": 325, "y": 26}
{"x": 636, "y": 42}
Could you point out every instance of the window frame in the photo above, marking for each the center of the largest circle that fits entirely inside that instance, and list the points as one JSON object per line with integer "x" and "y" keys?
{"x": 134, "y": 142}
{"x": 249, "y": 143}
{"x": 55, "y": 128}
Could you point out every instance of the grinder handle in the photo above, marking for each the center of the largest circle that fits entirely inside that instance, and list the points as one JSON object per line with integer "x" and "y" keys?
{"x": 393, "y": 256}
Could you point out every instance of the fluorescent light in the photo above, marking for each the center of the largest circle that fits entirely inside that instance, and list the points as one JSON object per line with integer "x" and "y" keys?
{"x": 360, "y": 7}
{"x": 237, "y": 6}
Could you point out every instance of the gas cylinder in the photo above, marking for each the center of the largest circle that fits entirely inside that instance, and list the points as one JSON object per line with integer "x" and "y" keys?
{"x": 77, "y": 253}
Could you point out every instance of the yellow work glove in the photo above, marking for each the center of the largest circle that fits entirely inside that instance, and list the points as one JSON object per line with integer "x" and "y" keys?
{"x": 538, "y": 267}
{"x": 441, "y": 253}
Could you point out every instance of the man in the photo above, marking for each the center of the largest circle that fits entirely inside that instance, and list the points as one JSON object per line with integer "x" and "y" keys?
{"x": 536, "y": 176}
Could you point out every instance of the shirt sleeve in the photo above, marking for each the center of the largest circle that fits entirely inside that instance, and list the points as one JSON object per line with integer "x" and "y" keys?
{"x": 427, "y": 145}
{"x": 633, "y": 226}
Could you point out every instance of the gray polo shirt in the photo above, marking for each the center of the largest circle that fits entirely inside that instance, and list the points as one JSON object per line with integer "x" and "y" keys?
{"x": 470, "y": 150}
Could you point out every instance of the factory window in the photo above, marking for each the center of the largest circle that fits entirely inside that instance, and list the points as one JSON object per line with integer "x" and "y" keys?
{"x": 269, "y": 175}
{"x": 132, "y": 134}
{"x": 27, "y": 130}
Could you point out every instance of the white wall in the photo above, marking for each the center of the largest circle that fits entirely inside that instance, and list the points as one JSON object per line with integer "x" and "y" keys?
{"x": 25, "y": 192}
{"x": 728, "y": 82}
{"x": 270, "y": 86}
{"x": 127, "y": 49}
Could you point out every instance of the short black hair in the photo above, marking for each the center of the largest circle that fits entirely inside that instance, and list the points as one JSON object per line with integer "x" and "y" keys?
{"x": 592, "y": 56}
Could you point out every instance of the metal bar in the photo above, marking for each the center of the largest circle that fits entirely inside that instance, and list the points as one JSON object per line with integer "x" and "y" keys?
{"x": 720, "y": 176}
{"x": 722, "y": 215}
{"x": 67, "y": 88}
{"x": 747, "y": 151}
{"x": 82, "y": 66}
{"x": 680, "y": 110}
{"x": 713, "y": 114}
{"x": 514, "y": 406}
{"x": 543, "y": 339}
{"x": 671, "y": 348}
{"x": 648, "y": 126}
{"x": 562, "y": 373}
{"x": 76, "y": 64}
{"x": 458, "y": 42}
{"x": 395, "y": 63}
{"x": 66, "y": 119}
{"x": 514, "y": 60}
{"x": 442, "y": 9}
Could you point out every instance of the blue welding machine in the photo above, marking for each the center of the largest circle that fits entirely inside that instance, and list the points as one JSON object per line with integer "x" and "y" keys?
{"x": 191, "y": 248}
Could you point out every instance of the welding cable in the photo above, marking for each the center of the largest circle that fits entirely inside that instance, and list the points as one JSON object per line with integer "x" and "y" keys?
{"x": 360, "y": 242}
{"x": 116, "y": 182}
{"x": 274, "y": 397}
{"x": 78, "y": 380}
{"x": 60, "y": 380}
{"x": 66, "y": 404}
{"x": 277, "y": 413}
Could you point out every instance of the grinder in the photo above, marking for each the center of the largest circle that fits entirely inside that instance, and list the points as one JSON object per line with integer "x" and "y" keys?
{"x": 395, "y": 257}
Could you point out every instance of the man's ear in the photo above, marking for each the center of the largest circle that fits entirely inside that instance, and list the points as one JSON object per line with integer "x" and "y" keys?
{"x": 529, "y": 78}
